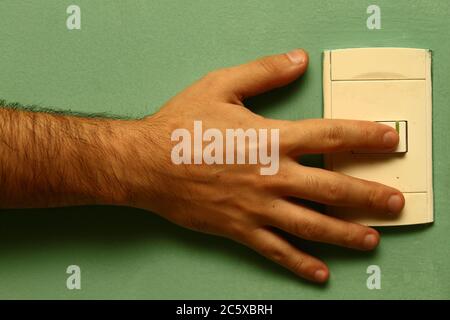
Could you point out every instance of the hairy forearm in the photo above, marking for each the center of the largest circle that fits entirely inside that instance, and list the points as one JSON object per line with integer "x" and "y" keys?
{"x": 52, "y": 160}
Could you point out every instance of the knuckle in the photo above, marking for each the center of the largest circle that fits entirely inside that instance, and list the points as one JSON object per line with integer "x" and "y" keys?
{"x": 286, "y": 143}
{"x": 274, "y": 253}
{"x": 350, "y": 237}
{"x": 298, "y": 264}
{"x": 264, "y": 182}
{"x": 196, "y": 224}
{"x": 280, "y": 181}
{"x": 335, "y": 192}
{"x": 373, "y": 198}
{"x": 273, "y": 205}
{"x": 334, "y": 136}
{"x": 210, "y": 76}
{"x": 365, "y": 135}
{"x": 268, "y": 65}
{"x": 311, "y": 182}
{"x": 237, "y": 230}
{"x": 257, "y": 212}
{"x": 215, "y": 76}
{"x": 307, "y": 229}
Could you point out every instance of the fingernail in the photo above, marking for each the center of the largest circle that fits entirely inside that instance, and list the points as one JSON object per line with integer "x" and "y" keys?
{"x": 395, "y": 203}
{"x": 390, "y": 139}
{"x": 320, "y": 275}
{"x": 370, "y": 241}
{"x": 297, "y": 56}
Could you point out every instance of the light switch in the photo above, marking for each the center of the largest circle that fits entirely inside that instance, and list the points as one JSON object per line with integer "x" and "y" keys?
{"x": 402, "y": 129}
{"x": 391, "y": 86}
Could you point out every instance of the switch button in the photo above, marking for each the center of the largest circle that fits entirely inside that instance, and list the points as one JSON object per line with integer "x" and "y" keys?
{"x": 401, "y": 126}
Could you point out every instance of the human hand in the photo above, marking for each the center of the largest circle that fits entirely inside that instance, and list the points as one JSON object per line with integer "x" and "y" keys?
{"x": 235, "y": 200}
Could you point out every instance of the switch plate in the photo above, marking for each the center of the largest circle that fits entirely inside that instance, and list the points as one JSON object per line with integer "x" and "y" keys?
{"x": 392, "y": 86}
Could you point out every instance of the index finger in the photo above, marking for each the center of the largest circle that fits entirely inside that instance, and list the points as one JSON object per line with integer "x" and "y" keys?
{"x": 326, "y": 135}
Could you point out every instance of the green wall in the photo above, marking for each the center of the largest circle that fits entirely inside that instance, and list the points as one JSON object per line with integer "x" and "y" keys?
{"x": 129, "y": 57}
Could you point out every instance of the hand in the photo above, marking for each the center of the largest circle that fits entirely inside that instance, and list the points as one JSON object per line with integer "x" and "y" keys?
{"x": 236, "y": 201}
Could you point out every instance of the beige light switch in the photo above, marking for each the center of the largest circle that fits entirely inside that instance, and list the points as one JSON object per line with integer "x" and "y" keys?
{"x": 391, "y": 86}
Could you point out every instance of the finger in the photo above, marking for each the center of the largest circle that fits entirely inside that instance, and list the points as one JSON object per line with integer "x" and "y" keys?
{"x": 261, "y": 75}
{"x": 326, "y": 135}
{"x": 311, "y": 225}
{"x": 279, "y": 250}
{"x": 338, "y": 189}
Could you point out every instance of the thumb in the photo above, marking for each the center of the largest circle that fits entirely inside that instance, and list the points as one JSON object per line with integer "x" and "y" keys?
{"x": 264, "y": 74}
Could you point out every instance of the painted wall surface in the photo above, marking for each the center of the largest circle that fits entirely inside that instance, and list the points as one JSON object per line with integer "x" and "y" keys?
{"x": 129, "y": 57}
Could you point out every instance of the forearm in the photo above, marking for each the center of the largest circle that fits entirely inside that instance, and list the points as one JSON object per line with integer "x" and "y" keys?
{"x": 52, "y": 160}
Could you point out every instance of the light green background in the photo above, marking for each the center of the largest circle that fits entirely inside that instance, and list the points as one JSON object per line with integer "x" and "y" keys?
{"x": 128, "y": 59}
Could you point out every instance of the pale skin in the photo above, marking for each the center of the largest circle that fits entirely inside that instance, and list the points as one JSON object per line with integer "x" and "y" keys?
{"x": 52, "y": 160}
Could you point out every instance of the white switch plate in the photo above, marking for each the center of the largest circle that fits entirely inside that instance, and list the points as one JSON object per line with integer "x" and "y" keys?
{"x": 385, "y": 85}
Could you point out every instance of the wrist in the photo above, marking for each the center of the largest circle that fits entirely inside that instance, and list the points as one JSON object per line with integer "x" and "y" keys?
{"x": 134, "y": 161}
